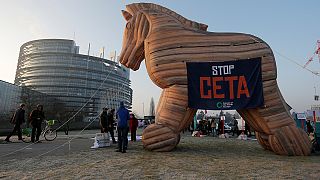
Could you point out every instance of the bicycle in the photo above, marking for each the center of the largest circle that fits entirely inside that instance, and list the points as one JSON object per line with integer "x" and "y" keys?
{"x": 48, "y": 132}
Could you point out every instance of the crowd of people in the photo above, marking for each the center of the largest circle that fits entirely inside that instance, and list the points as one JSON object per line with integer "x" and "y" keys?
{"x": 125, "y": 122}
{"x": 216, "y": 127}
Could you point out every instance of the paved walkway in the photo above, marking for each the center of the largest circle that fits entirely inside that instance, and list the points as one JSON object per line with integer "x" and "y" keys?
{"x": 80, "y": 141}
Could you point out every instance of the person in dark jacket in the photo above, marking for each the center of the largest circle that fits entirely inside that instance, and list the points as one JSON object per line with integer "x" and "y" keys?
{"x": 235, "y": 127}
{"x": 104, "y": 120}
{"x": 17, "y": 119}
{"x": 36, "y": 118}
{"x": 110, "y": 124}
{"x": 309, "y": 127}
{"x": 133, "y": 125}
{"x": 247, "y": 129}
{"x": 123, "y": 118}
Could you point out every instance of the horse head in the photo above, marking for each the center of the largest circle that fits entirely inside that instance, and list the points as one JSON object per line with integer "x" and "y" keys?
{"x": 136, "y": 31}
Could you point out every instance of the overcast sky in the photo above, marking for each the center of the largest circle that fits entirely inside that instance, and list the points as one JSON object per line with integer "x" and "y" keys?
{"x": 290, "y": 27}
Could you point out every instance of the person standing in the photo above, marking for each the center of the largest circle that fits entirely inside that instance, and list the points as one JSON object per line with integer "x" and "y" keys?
{"x": 213, "y": 127}
{"x": 235, "y": 126}
{"x": 133, "y": 125}
{"x": 104, "y": 120}
{"x": 309, "y": 127}
{"x": 220, "y": 127}
{"x": 123, "y": 117}
{"x": 247, "y": 129}
{"x": 110, "y": 125}
{"x": 36, "y": 118}
{"x": 17, "y": 119}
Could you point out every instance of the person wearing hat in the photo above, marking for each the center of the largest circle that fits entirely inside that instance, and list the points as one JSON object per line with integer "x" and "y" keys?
{"x": 17, "y": 119}
{"x": 36, "y": 118}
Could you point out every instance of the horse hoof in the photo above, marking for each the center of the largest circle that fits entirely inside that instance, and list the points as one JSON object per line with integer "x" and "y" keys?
{"x": 159, "y": 138}
{"x": 290, "y": 140}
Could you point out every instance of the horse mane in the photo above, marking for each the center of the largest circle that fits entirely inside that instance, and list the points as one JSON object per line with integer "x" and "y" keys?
{"x": 135, "y": 7}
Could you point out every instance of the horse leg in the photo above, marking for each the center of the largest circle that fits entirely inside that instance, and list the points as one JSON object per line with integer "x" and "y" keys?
{"x": 274, "y": 127}
{"x": 172, "y": 116}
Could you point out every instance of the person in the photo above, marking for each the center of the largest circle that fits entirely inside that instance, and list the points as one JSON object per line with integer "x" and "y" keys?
{"x": 309, "y": 127}
{"x": 191, "y": 127}
{"x": 104, "y": 120}
{"x": 123, "y": 118}
{"x": 220, "y": 127}
{"x": 213, "y": 128}
{"x": 110, "y": 125}
{"x": 247, "y": 129}
{"x": 17, "y": 119}
{"x": 235, "y": 126}
{"x": 133, "y": 125}
{"x": 145, "y": 123}
{"x": 35, "y": 119}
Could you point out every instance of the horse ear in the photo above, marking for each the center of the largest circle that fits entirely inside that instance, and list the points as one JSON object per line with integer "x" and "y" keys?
{"x": 127, "y": 16}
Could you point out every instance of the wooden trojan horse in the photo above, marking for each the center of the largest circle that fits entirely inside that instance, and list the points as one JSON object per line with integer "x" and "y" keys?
{"x": 166, "y": 41}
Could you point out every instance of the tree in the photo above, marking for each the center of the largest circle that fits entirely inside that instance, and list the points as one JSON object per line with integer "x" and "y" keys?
{"x": 152, "y": 109}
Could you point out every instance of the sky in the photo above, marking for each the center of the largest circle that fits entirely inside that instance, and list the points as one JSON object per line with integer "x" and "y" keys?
{"x": 290, "y": 27}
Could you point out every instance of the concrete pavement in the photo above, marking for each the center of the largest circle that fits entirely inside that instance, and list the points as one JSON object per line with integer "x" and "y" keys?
{"x": 80, "y": 141}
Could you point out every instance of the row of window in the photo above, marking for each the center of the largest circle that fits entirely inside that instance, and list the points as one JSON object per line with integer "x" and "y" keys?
{"x": 72, "y": 74}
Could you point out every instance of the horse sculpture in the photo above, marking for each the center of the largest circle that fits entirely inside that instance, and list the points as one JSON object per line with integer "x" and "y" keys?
{"x": 167, "y": 41}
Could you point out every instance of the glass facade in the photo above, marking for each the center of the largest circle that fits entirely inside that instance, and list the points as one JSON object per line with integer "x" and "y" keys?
{"x": 55, "y": 67}
{"x": 12, "y": 96}
{"x": 10, "y": 99}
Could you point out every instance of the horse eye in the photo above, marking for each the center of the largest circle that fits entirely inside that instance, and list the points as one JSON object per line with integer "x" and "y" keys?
{"x": 128, "y": 26}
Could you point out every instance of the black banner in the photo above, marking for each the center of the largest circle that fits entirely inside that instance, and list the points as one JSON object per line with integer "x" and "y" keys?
{"x": 225, "y": 85}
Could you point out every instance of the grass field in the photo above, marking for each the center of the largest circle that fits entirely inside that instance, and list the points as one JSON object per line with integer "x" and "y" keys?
{"x": 194, "y": 158}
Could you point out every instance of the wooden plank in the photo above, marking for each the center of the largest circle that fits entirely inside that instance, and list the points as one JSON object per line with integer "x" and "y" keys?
{"x": 205, "y": 48}
{"x": 159, "y": 138}
{"x": 150, "y": 133}
{"x": 199, "y": 36}
{"x": 277, "y": 117}
{"x": 280, "y": 123}
{"x": 159, "y": 145}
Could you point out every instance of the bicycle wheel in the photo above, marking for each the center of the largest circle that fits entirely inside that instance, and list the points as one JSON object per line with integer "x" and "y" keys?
{"x": 50, "y": 134}
{"x": 26, "y": 135}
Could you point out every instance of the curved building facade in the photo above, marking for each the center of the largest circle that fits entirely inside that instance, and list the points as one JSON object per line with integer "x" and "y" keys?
{"x": 55, "y": 67}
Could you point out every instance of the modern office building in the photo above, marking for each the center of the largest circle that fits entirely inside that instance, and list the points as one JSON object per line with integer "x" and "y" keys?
{"x": 55, "y": 67}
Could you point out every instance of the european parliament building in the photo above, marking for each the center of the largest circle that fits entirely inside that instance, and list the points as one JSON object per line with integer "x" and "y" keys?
{"x": 83, "y": 83}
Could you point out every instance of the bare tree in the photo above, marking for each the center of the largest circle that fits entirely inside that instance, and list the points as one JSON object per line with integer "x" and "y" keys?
{"x": 152, "y": 109}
